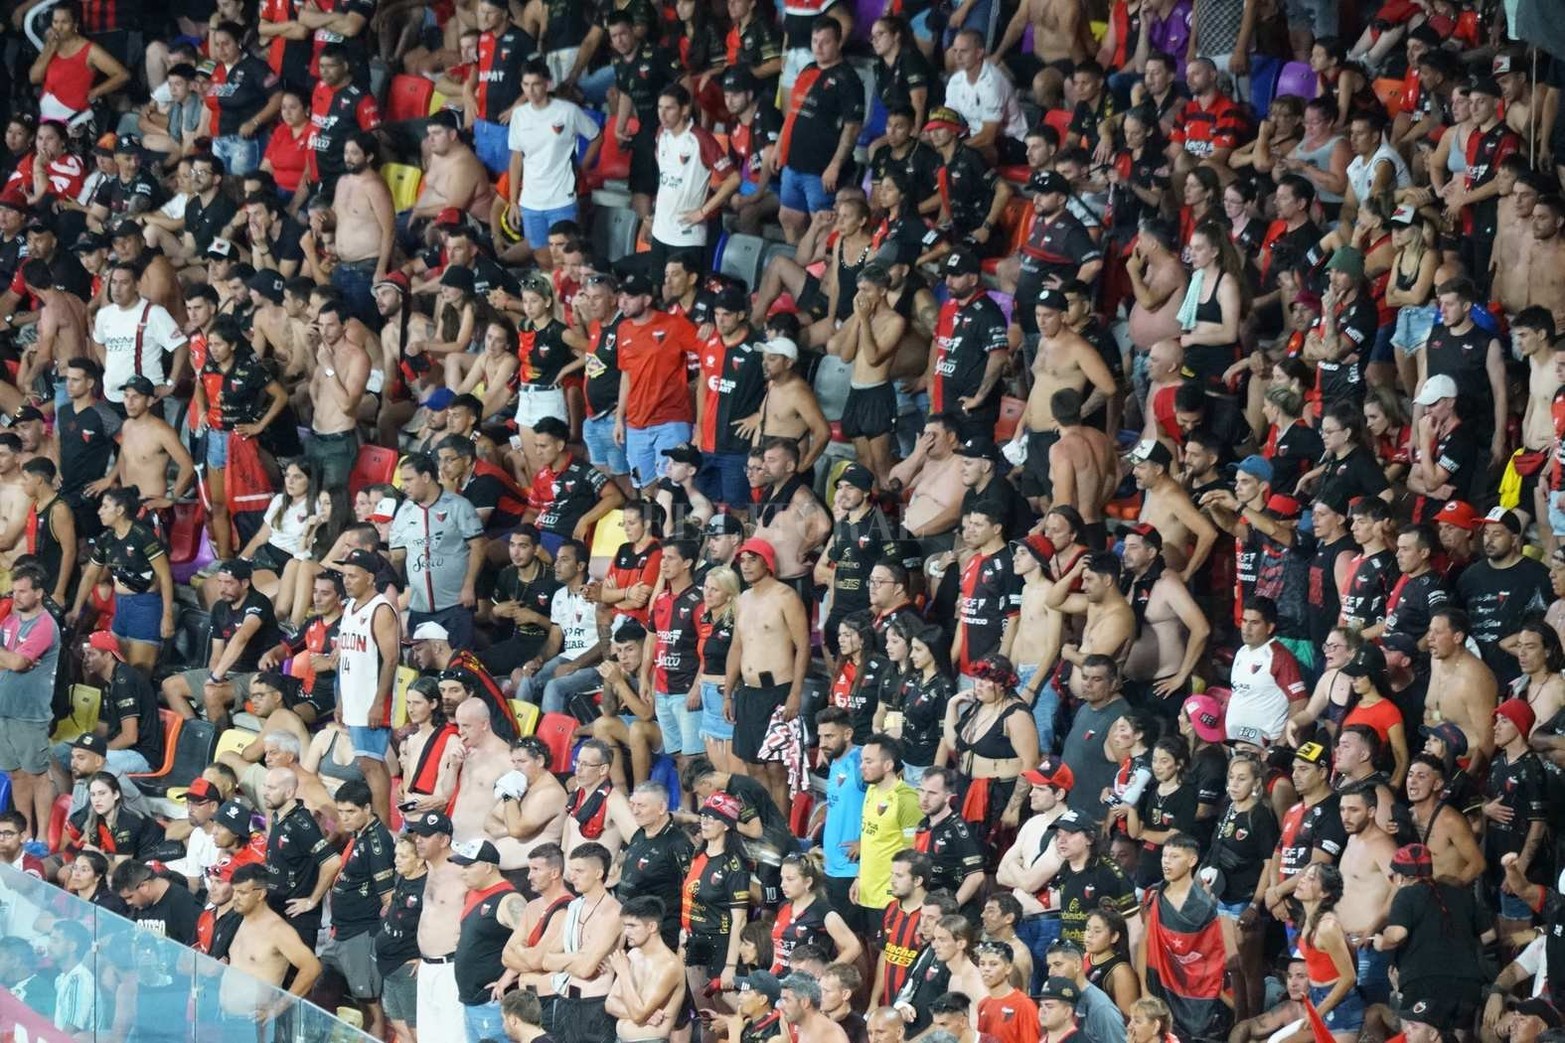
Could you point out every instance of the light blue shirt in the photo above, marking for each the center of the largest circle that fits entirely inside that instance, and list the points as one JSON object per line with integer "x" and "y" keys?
{"x": 844, "y": 813}
{"x": 1098, "y": 1017}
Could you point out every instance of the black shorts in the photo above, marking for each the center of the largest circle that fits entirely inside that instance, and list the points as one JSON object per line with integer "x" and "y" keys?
{"x": 1036, "y": 480}
{"x": 644, "y": 160}
{"x": 753, "y": 709}
{"x": 581, "y": 1020}
{"x": 869, "y": 412}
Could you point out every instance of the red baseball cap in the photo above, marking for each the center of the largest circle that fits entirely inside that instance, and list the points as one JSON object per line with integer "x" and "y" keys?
{"x": 1460, "y": 514}
{"x": 104, "y": 641}
{"x": 1051, "y": 771}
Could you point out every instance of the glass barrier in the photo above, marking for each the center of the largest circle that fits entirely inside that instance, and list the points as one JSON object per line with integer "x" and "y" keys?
{"x": 131, "y": 985}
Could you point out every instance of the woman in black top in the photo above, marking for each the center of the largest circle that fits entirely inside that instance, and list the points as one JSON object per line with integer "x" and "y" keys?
{"x": 104, "y": 823}
{"x": 991, "y": 733}
{"x": 1221, "y": 297}
{"x": 1347, "y": 470}
{"x": 1107, "y": 963}
{"x": 925, "y": 696}
{"x": 719, "y": 594}
{"x": 856, "y": 688}
{"x": 1235, "y": 864}
{"x": 903, "y": 76}
{"x": 1167, "y": 806}
{"x": 396, "y": 944}
{"x": 716, "y": 897}
{"x": 131, "y": 554}
{"x": 89, "y": 881}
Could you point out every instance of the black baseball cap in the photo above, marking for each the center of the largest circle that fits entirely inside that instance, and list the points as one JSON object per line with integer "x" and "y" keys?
{"x": 238, "y": 568}
{"x": 141, "y": 384}
{"x": 858, "y": 476}
{"x": 234, "y": 817}
{"x": 731, "y": 298}
{"x": 1053, "y": 300}
{"x": 961, "y": 262}
{"x": 1045, "y": 181}
{"x": 636, "y": 285}
{"x": 87, "y": 242}
{"x": 724, "y": 525}
{"x": 684, "y": 453}
{"x": 92, "y": 742}
{"x": 360, "y": 558}
{"x": 430, "y": 823}
{"x": 977, "y": 447}
{"x": 458, "y": 278}
{"x": 738, "y": 79}
{"x": 268, "y": 284}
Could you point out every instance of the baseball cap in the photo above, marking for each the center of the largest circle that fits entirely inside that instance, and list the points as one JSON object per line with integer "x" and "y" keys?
{"x": 140, "y": 383}
{"x": 397, "y": 281}
{"x": 684, "y": 453}
{"x": 636, "y": 285}
{"x": 41, "y": 221}
{"x": 124, "y": 230}
{"x": 450, "y": 217}
{"x": 92, "y": 742}
{"x": 385, "y": 510}
{"x": 104, "y": 641}
{"x": 858, "y": 476}
{"x": 1534, "y": 1007}
{"x": 1207, "y": 715}
{"x": 234, "y": 817}
{"x": 1405, "y": 214}
{"x": 1406, "y": 644}
{"x": 27, "y": 413}
{"x": 431, "y": 631}
{"x": 1051, "y": 771}
{"x": 14, "y": 200}
{"x": 1258, "y": 467}
{"x": 470, "y": 852}
{"x": 439, "y": 398}
{"x": 1438, "y": 1012}
{"x": 360, "y": 558}
{"x": 1151, "y": 451}
{"x": 1281, "y": 506}
{"x": 1369, "y": 661}
{"x": 731, "y": 298}
{"x": 128, "y": 144}
{"x": 87, "y": 242}
{"x": 268, "y": 284}
{"x": 220, "y": 248}
{"x": 1501, "y": 516}
{"x": 1074, "y": 821}
{"x": 764, "y": 982}
{"x": 1062, "y": 989}
{"x": 978, "y": 447}
{"x": 961, "y": 262}
{"x": 781, "y": 346}
{"x": 1458, "y": 513}
{"x": 724, "y": 525}
{"x": 202, "y": 791}
{"x": 430, "y": 823}
{"x": 1434, "y": 389}
{"x": 1450, "y": 733}
{"x": 104, "y": 146}
{"x": 943, "y": 117}
{"x": 1519, "y": 712}
{"x": 238, "y": 568}
{"x": 1054, "y": 300}
{"x": 737, "y": 79}
{"x": 1347, "y": 260}
{"x": 1313, "y": 753}
{"x": 1486, "y": 85}
{"x": 723, "y": 806}
{"x": 1048, "y": 181}
{"x": 761, "y": 549}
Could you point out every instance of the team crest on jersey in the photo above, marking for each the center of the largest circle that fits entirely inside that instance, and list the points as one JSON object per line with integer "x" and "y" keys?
{"x": 440, "y": 516}
{"x": 558, "y": 128}
{"x": 684, "y": 157}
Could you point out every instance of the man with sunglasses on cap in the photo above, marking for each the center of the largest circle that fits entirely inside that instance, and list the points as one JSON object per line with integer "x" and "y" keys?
{"x": 970, "y": 348}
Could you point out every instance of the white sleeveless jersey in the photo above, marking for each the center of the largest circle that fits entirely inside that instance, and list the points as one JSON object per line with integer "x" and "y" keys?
{"x": 359, "y": 663}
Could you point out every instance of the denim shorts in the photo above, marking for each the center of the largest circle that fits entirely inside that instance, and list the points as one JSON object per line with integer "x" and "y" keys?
{"x": 369, "y": 742}
{"x": 1347, "y": 1016}
{"x": 535, "y": 223}
{"x": 1557, "y": 513}
{"x": 644, "y": 449}
{"x": 714, "y": 725}
{"x": 681, "y": 727}
{"x": 1381, "y": 351}
{"x": 1513, "y": 908}
{"x": 216, "y": 448}
{"x": 138, "y": 617}
{"x": 803, "y": 193}
{"x": 1414, "y": 325}
{"x": 602, "y": 451}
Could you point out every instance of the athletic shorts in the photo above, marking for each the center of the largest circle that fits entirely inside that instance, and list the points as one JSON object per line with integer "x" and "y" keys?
{"x": 753, "y": 709}
{"x": 399, "y": 995}
{"x": 1036, "y": 480}
{"x": 24, "y": 746}
{"x": 870, "y": 412}
{"x": 355, "y": 959}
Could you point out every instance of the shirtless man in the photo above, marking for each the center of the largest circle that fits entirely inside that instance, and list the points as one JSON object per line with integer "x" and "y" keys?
{"x": 342, "y": 370}
{"x": 932, "y": 476}
{"x": 1188, "y": 534}
{"x": 264, "y": 950}
{"x": 1030, "y": 863}
{"x": 1110, "y": 624}
{"x": 520, "y": 828}
{"x": 523, "y": 954}
{"x": 1173, "y": 629}
{"x": 1443, "y": 829}
{"x": 800, "y": 1005}
{"x": 1061, "y": 38}
{"x": 1165, "y": 374}
{"x": 595, "y": 810}
{"x": 441, "y": 923}
{"x": 14, "y": 505}
{"x": 62, "y": 329}
{"x": 1065, "y": 360}
{"x": 366, "y": 216}
{"x": 1084, "y": 464}
{"x": 1157, "y": 280}
{"x": 767, "y": 662}
{"x": 1461, "y": 688}
{"x": 158, "y": 281}
{"x": 266, "y": 702}
{"x": 790, "y": 518}
{"x": 1366, "y": 878}
{"x": 869, "y": 341}
{"x": 649, "y": 985}
{"x": 1033, "y": 643}
{"x": 453, "y": 174}
{"x": 147, "y": 445}
{"x": 1546, "y": 258}
{"x": 1508, "y": 264}
{"x": 582, "y": 940}
{"x": 485, "y": 759}
{"x": 908, "y": 295}
{"x": 278, "y": 327}
{"x": 789, "y": 409}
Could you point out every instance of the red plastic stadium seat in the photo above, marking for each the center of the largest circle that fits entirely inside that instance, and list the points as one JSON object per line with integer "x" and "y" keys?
{"x": 172, "y": 724}
{"x": 408, "y": 98}
{"x": 557, "y": 731}
{"x": 375, "y": 465}
{"x": 1015, "y": 225}
{"x": 613, "y": 159}
{"x": 1060, "y": 120}
{"x": 57, "y": 817}
{"x": 1011, "y": 410}
{"x": 184, "y": 538}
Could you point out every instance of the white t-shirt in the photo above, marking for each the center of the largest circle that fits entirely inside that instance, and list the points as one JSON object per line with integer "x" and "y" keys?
{"x": 577, "y": 619}
{"x": 689, "y": 164}
{"x": 546, "y": 138}
{"x": 125, "y": 352}
{"x": 991, "y": 100}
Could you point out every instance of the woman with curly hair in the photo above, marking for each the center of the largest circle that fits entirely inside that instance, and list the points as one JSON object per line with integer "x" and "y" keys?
{"x": 990, "y": 733}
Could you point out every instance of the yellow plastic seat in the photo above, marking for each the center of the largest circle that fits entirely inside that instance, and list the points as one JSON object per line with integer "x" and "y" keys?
{"x": 404, "y": 182}
{"x": 406, "y": 675}
{"x": 85, "y": 703}
{"x": 437, "y": 101}
{"x": 234, "y": 741}
{"x": 526, "y": 717}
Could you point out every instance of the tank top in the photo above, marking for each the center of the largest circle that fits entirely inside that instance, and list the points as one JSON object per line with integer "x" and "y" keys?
{"x": 794, "y": 929}
{"x": 1209, "y": 361}
{"x": 848, "y": 282}
{"x": 358, "y": 663}
{"x": 994, "y": 743}
{"x": 66, "y": 83}
{"x": 479, "y": 946}
{"x": 1098, "y": 973}
{"x": 1320, "y": 159}
{"x": 42, "y": 540}
{"x": 1384, "y": 314}
{"x": 1456, "y": 156}
{"x": 350, "y": 772}
{"x": 1318, "y": 962}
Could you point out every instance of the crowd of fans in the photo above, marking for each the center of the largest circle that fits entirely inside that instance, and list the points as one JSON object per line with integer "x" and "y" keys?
{"x": 1054, "y": 527}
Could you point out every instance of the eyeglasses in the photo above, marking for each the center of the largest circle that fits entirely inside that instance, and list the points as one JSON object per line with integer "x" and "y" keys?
{"x": 590, "y": 764}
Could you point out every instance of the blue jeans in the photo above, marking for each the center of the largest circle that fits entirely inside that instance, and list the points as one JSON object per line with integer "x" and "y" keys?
{"x": 644, "y": 448}
{"x": 722, "y": 479}
{"x": 1043, "y": 710}
{"x": 551, "y": 694}
{"x": 714, "y": 725}
{"x": 681, "y": 727}
{"x": 602, "y": 451}
{"x": 1374, "y": 982}
{"x": 239, "y": 155}
{"x": 356, "y": 281}
{"x": 483, "y": 1022}
{"x": 490, "y": 142}
{"x": 595, "y": 85}
{"x": 1038, "y": 933}
{"x": 536, "y": 223}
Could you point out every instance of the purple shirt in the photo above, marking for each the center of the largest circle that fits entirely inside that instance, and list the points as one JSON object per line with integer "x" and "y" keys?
{"x": 1171, "y": 35}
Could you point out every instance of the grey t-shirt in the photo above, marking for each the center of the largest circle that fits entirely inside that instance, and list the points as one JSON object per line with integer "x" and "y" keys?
{"x": 29, "y": 695}
{"x": 1083, "y": 751}
{"x": 435, "y": 539}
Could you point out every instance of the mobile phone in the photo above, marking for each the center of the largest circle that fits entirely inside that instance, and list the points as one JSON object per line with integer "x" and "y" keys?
{"x": 768, "y": 680}
{"x": 407, "y": 805}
